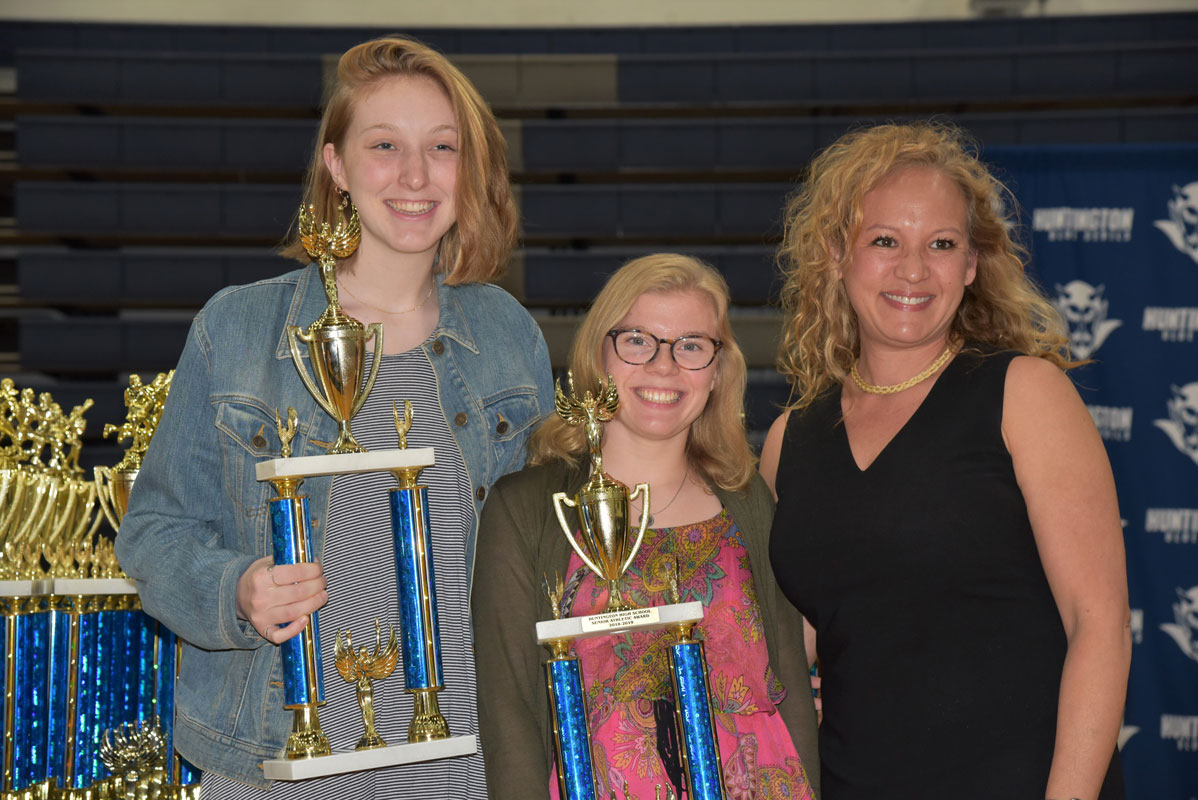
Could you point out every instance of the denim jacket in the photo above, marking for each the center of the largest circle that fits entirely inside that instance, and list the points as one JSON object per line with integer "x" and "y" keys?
{"x": 198, "y": 518}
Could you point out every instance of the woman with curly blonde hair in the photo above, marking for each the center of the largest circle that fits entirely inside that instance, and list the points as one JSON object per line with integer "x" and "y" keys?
{"x": 660, "y": 329}
{"x": 947, "y": 521}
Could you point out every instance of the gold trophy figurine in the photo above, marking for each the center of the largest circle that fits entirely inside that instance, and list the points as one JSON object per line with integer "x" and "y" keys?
{"x": 602, "y": 503}
{"x": 336, "y": 341}
{"x": 362, "y": 667}
{"x": 144, "y": 402}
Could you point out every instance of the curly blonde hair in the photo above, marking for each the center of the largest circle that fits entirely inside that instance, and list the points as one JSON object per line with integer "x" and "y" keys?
{"x": 716, "y": 447}
{"x": 1001, "y": 308}
{"x": 476, "y": 248}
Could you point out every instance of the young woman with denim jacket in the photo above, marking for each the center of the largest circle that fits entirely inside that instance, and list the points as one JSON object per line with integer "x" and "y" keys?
{"x": 408, "y": 138}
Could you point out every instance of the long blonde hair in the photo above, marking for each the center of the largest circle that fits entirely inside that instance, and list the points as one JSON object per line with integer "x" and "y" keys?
{"x": 1001, "y": 308}
{"x": 716, "y": 446}
{"x": 477, "y": 247}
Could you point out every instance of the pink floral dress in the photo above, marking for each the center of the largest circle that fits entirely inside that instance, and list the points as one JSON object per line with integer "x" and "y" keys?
{"x": 625, "y": 674}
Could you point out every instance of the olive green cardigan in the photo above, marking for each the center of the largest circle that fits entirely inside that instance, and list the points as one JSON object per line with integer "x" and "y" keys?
{"x": 519, "y": 541}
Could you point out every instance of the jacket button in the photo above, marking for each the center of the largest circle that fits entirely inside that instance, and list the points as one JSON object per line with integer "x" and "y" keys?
{"x": 460, "y": 419}
{"x": 258, "y": 441}
{"x": 502, "y": 427}
{"x": 438, "y": 347}
{"x": 481, "y": 493}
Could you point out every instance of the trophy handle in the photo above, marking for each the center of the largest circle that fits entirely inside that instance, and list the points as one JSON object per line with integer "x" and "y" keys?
{"x": 559, "y": 499}
{"x": 103, "y": 476}
{"x": 641, "y": 489}
{"x": 293, "y": 333}
{"x": 375, "y": 331}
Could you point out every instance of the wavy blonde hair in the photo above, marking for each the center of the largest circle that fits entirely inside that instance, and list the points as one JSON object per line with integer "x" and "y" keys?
{"x": 716, "y": 446}
{"x": 1001, "y": 308}
{"x": 476, "y": 248}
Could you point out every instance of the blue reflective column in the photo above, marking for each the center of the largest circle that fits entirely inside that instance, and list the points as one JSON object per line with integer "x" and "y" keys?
{"x": 696, "y": 723}
{"x": 571, "y": 736}
{"x": 303, "y": 679}
{"x": 30, "y": 730}
{"x": 416, "y": 581}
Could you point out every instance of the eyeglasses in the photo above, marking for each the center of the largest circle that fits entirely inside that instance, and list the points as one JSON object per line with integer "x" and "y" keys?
{"x": 689, "y": 352}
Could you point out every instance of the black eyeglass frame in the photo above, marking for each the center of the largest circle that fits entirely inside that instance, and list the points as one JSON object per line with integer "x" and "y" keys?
{"x": 615, "y": 332}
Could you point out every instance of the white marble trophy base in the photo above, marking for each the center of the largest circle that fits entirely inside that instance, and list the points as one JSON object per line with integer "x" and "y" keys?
{"x": 637, "y": 619}
{"x": 74, "y": 586}
{"x": 25, "y": 588}
{"x": 67, "y": 586}
{"x": 344, "y": 463}
{"x": 283, "y": 769}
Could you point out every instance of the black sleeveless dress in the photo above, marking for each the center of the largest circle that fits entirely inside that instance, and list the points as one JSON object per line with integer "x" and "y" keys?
{"x": 940, "y": 644}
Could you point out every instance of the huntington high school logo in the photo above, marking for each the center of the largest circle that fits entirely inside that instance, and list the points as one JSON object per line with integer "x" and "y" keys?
{"x": 1085, "y": 311}
{"x": 1184, "y": 627}
{"x": 1182, "y": 225}
{"x": 1182, "y": 425}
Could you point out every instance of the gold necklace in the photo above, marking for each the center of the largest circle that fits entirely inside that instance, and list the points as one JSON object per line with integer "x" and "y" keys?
{"x": 895, "y": 388}
{"x": 416, "y": 307}
{"x": 677, "y": 492}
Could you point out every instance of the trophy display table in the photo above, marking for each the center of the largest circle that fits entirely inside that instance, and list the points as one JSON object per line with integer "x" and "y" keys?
{"x": 428, "y": 737}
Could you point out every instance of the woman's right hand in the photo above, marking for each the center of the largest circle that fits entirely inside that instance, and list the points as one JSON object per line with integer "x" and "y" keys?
{"x": 277, "y": 599}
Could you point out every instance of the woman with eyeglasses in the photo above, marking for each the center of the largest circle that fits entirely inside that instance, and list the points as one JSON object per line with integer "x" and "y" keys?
{"x": 660, "y": 329}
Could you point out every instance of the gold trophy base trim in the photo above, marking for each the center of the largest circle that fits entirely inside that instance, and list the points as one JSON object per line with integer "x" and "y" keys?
{"x": 307, "y": 740}
{"x": 282, "y": 769}
{"x": 428, "y": 723}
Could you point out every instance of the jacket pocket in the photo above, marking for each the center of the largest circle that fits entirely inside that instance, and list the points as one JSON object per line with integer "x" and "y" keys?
{"x": 248, "y": 437}
{"x": 511, "y": 416}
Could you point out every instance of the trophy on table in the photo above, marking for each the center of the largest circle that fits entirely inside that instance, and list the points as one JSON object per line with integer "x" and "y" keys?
{"x": 605, "y": 544}
{"x": 145, "y": 402}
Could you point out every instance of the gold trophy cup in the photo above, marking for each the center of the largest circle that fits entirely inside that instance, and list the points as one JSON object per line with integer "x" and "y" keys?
{"x": 336, "y": 341}
{"x": 603, "y": 502}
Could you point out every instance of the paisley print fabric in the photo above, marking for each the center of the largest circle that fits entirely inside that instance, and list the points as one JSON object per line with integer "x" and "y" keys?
{"x": 626, "y": 675}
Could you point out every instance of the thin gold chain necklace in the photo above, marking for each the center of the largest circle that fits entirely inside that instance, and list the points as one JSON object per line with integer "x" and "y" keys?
{"x": 416, "y": 307}
{"x": 677, "y": 492}
{"x": 895, "y": 388}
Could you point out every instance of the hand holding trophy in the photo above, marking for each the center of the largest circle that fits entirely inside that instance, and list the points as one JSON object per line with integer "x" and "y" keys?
{"x": 603, "y": 502}
{"x": 336, "y": 341}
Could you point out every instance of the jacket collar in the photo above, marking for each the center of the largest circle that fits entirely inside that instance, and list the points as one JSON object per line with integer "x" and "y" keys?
{"x": 309, "y": 302}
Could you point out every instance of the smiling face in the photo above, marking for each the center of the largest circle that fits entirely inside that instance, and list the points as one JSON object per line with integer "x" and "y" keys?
{"x": 910, "y": 261}
{"x": 399, "y": 163}
{"x": 659, "y": 400}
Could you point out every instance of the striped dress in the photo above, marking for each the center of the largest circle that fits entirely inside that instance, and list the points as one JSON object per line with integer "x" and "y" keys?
{"x": 359, "y": 566}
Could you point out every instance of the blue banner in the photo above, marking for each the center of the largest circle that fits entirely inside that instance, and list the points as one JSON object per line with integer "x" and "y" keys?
{"x": 1114, "y": 238}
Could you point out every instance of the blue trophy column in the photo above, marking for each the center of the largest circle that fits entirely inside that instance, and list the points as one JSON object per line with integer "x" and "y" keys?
{"x": 696, "y": 724}
{"x": 572, "y": 738}
{"x": 416, "y": 581}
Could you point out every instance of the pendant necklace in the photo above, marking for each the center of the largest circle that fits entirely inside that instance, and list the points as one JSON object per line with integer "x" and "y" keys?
{"x": 677, "y": 492}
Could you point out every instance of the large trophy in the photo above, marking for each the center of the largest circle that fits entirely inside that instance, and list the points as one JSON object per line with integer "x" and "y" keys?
{"x": 606, "y": 546}
{"x": 337, "y": 349}
{"x": 603, "y": 502}
{"x": 336, "y": 341}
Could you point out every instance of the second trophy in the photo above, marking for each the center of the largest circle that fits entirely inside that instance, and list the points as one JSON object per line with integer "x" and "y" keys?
{"x": 602, "y": 502}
